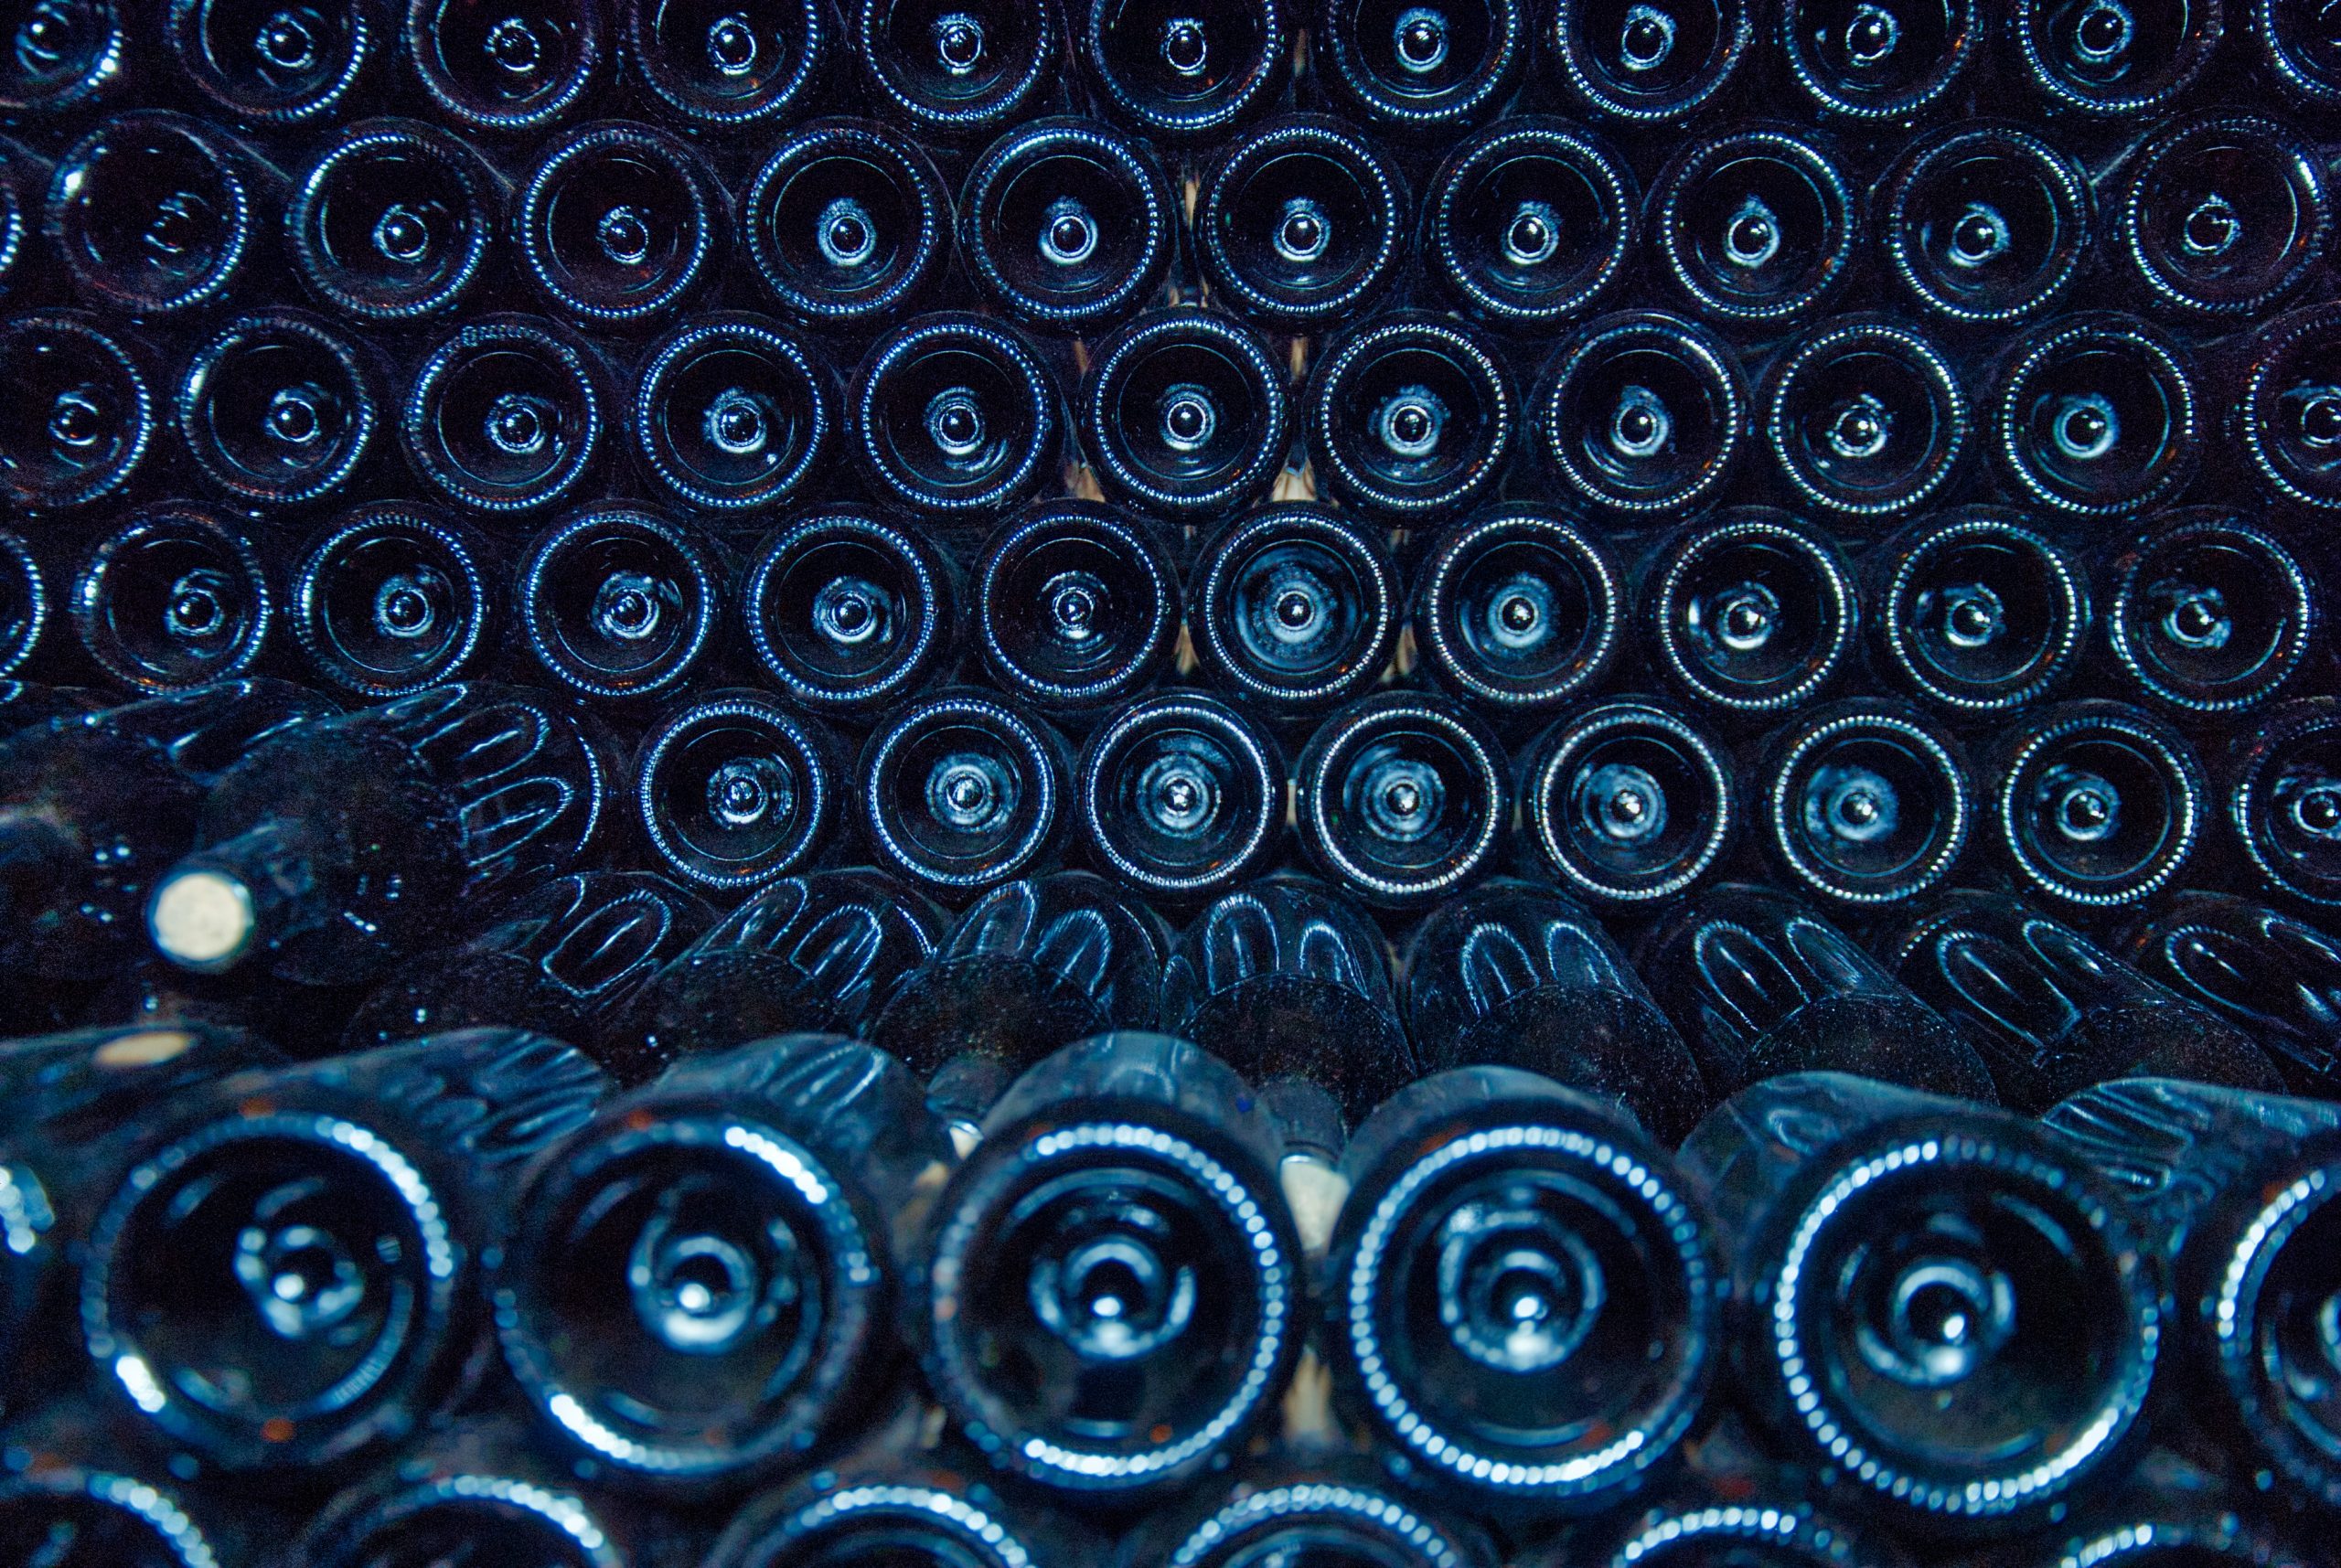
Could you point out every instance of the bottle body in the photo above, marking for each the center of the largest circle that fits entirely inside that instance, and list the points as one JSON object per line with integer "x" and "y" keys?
{"x": 1845, "y": 1194}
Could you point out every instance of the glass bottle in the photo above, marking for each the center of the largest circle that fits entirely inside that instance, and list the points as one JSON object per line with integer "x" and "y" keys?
{"x": 278, "y": 410}
{"x": 618, "y": 224}
{"x": 1068, "y": 225}
{"x": 1752, "y": 614}
{"x": 963, "y": 790}
{"x": 175, "y": 597}
{"x": 1408, "y": 417}
{"x": 504, "y": 414}
{"x": 1529, "y": 223}
{"x": 2094, "y": 805}
{"x": 618, "y": 603}
{"x": 1977, "y": 611}
{"x": 1629, "y": 802}
{"x": 954, "y": 417}
{"x": 732, "y": 415}
{"x": 1076, "y": 607}
{"x": 850, "y": 612}
{"x": 846, "y": 223}
{"x": 395, "y": 221}
{"x": 737, "y": 789}
{"x": 1293, "y": 609}
{"x": 1185, "y": 413}
{"x": 391, "y": 598}
{"x": 1299, "y": 223}
{"x": 1402, "y": 799}
{"x": 1181, "y": 798}
{"x": 1641, "y": 415}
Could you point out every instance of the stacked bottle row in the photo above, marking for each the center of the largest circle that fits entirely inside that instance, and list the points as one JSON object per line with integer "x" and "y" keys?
{"x": 1746, "y": 1250}
{"x": 1637, "y": 417}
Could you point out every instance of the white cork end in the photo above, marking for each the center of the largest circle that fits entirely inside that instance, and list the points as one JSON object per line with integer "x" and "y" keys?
{"x": 201, "y": 919}
{"x": 1315, "y": 1192}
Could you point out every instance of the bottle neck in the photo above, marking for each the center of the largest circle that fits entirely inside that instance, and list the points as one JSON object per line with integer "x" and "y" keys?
{"x": 246, "y": 895}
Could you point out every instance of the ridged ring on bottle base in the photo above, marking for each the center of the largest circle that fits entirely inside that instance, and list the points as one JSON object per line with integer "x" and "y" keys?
{"x": 2293, "y": 607}
{"x": 1953, "y": 827}
{"x": 2130, "y": 92}
{"x": 1002, "y": 103}
{"x": 502, "y": 1517}
{"x": 1839, "y": 607}
{"x": 1030, "y": 387}
{"x": 1951, "y": 418}
{"x": 142, "y": 1522}
{"x": 431, "y": 67}
{"x": 1702, "y": 356}
{"x": 1226, "y": 102}
{"x": 1607, "y": 93}
{"x": 921, "y": 641}
{"x": 1211, "y": 608}
{"x": 436, "y": 463}
{"x": 659, "y": 160}
{"x": 212, "y": 378}
{"x": 1382, "y": 1529}
{"x": 1799, "y": 1273}
{"x": 984, "y": 1200}
{"x": 310, "y": 606}
{"x": 1343, "y": 435}
{"x": 1123, "y": 359}
{"x": 215, "y": 586}
{"x": 768, "y": 102}
{"x": 2168, "y": 468}
{"x": 2314, "y": 333}
{"x": 1463, "y": 547}
{"x": 2064, "y": 184}
{"x": 2271, "y": 780}
{"x": 1800, "y": 27}
{"x": 1103, "y": 820}
{"x": 1544, "y": 798}
{"x": 1823, "y": 184}
{"x": 2224, "y": 136}
{"x": 2161, "y": 750}
{"x": 554, "y": 1358}
{"x": 917, "y": 256}
{"x": 2068, "y": 612}
{"x": 403, "y": 143}
{"x": 1601, "y": 1459}
{"x": 375, "y": 1403}
{"x": 1423, "y": 110}
{"x": 1365, "y": 727}
{"x": 1300, "y": 305}
{"x": 994, "y": 180}
{"x": 74, "y": 220}
{"x": 1034, "y": 748}
{"x": 841, "y": 1515}
{"x": 22, "y": 624}
{"x": 810, "y": 813}
{"x": 1608, "y": 181}
{"x": 675, "y": 355}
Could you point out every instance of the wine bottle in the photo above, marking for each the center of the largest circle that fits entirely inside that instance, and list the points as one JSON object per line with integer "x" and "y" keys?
{"x": 24, "y": 613}
{"x": 1181, "y": 797}
{"x": 1626, "y": 803}
{"x": 174, "y": 598}
{"x": 731, "y": 414}
{"x": 2223, "y": 215}
{"x": 1187, "y": 72}
{"x": 1290, "y": 984}
{"x": 2114, "y": 58}
{"x": 972, "y": 70}
{"x": 24, "y": 187}
{"x": 1865, "y": 804}
{"x": 954, "y": 416}
{"x": 1642, "y": 414}
{"x": 1408, "y": 416}
{"x": 1299, "y": 223}
{"x": 82, "y": 419}
{"x": 1184, "y": 413}
{"x": 1529, "y": 222}
{"x": 278, "y": 410}
{"x": 963, "y": 790}
{"x": 1761, "y": 986}
{"x": 818, "y": 953}
{"x": 2051, "y": 1012}
{"x": 75, "y": 1100}
{"x": 2237, "y": 1187}
{"x": 618, "y": 224}
{"x": 737, "y": 790}
{"x": 1076, "y": 607}
{"x": 1402, "y": 797}
{"x": 2210, "y": 613}
{"x": 341, "y": 847}
{"x": 2275, "y": 977}
{"x": 1110, "y": 1297}
{"x": 2283, "y": 801}
{"x": 88, "y": 1515}
{"x": 618, "y": 603}
{"x": 2094, "y": 416}
{"x": 1955, "y": 1322}
{"x": 1028, "y": 970}
{"x": 859, "y": 1510}
{"x": 1878, "y": 63}
{"x": 1287, "y": 1507}
{"x": 566, "y": 956}
{"x": 517, "y": 66}
{"x": 2095, "y": 805}
{"x": 1755, "y": 227}
{"x": 504, "y": 415}
{"x": 391, "y": 598}
{"x": 333, "y": 1215}
{"x": 849, "y": 611}
{"x": 2295, "y": 48}
{"x": 1293, "y": 609}
{"x": 154, "y": 213}
{"x": 477, "y": 1487}
{"x": 2287, "y": 415}
{"x": 292, "y": 66}
{"x": 1751, "y": 614}
{"x": 1518, "y": 610}
{"x": 94, "y": 806}
{"x": 1734, "y": 1505}
{"x": 394, "y": 222}
{"x": 1524, "y": 1304}
{"x": 1514, "y": 976}
{"x": 1866, "y": 419}
{"x": 697, "y": 1290}
{"x": 846, "y": 223}
{"x": 1986, "y": 225}
{"x": 723, "y": 66}
{"x": 64, "y": 57}
{"x": 1656, "y": 60}
{"x": 1977, "y": 613}
{"x": 1068, "y": 225}
{"x": 1428, "y": 71}
{"x": 26, "y": 704}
